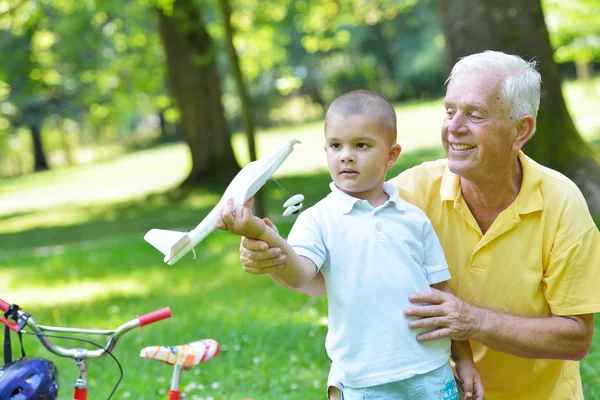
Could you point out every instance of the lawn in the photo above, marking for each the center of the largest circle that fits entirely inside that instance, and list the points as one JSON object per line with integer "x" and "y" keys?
{"x": 72, "y": 254}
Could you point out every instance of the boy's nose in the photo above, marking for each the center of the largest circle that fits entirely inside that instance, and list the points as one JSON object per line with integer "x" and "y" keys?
{"x": 346, "y": 157}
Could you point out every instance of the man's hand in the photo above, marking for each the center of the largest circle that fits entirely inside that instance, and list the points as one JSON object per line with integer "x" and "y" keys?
{"x": 256, "y": 256}
{"x": 449, "y": 316}
{"x": 470, "y": 378}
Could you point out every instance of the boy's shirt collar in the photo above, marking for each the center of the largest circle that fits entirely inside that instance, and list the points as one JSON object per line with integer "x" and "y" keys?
{"x": 346, "y": 202}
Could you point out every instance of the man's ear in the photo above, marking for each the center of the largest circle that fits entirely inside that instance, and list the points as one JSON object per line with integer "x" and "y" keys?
{"x": 524, "y": 128}
{"x": 393, "y": 155}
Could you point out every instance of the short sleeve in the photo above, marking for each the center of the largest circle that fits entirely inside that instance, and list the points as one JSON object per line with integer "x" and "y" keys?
{"x": 306, "y": 239}
{"x": 434, "y": 262}
{"x": 572, "y": 275}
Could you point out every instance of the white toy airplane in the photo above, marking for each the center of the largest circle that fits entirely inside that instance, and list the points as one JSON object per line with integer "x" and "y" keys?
{"x": 246, "y": 183}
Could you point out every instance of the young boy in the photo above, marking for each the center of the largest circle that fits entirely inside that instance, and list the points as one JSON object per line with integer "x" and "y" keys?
{"x": 373, "y": 249}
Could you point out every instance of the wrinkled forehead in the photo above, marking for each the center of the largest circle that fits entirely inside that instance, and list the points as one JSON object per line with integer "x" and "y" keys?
{"x": 480, "y": 87}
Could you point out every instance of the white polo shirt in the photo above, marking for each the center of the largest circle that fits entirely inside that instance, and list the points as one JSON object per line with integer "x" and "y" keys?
{"x": 372, "y": 259}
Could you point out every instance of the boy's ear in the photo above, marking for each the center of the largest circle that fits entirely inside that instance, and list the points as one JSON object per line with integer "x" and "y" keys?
{"x": 393, "y": 155}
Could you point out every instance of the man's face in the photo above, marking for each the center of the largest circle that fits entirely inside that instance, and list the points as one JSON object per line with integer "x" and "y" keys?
{"x": 478, "y": 132}
{"x": 358, "y": 155}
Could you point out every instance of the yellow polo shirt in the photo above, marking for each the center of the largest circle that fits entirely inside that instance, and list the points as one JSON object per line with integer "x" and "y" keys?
{"x": 541, "y": 256}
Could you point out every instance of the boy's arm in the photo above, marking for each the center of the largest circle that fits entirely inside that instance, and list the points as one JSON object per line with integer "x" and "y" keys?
{"x": 297, "y": 270}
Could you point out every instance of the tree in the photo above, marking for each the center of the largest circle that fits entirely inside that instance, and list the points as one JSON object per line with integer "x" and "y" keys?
{"x": 518, "y": 27}
{"x": 575, "y": 34}
{"x": 194, "y": 83}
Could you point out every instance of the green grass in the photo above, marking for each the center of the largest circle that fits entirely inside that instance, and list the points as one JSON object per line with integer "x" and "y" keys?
{"x": 72, "y": 254}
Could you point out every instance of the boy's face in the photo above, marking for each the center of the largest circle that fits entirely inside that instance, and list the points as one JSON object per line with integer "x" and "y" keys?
{"x": 358, "y": 155}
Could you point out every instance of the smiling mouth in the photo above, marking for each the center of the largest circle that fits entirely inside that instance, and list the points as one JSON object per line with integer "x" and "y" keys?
{"x": 462, "y": 147}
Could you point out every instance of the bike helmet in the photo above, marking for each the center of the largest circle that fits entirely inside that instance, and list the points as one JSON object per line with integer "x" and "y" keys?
{"x": 29, "y": 379}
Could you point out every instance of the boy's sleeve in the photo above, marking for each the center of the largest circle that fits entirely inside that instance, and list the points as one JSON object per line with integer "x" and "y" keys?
{"x": 307, "y": 240}
{"x": 434, "y": 261}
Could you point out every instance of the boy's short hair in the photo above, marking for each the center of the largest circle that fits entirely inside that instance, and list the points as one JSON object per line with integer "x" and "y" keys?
{"x": 368, "y": 104}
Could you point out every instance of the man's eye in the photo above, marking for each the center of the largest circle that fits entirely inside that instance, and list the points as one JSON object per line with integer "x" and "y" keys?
{"x": 449, "y": 113}
{"x": 476, "y": 116}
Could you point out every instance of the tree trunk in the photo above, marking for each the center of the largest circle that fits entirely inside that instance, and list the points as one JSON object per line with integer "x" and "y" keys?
{"x": 40, "y": 163}
{"x": 194, "y": 82}
{"x": 518, "y": 27}
{"x": 246, "y": 105}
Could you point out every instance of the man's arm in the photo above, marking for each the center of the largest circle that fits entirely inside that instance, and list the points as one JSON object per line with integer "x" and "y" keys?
{"x": 554, "y": 337}
{"x": 462, "y": 355}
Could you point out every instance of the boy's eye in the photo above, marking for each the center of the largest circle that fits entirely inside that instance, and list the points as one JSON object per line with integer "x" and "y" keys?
{"x": 362, "y": 145}
{"x": 335, "y": 145}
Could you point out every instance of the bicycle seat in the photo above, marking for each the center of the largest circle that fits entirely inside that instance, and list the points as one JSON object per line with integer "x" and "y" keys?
{"x": 186, "y": 355}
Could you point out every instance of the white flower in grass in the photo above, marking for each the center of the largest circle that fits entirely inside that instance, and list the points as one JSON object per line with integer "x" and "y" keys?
{"x": 293, "y": 358}
{"x": 294, "y": 386}
{"x": 311, "y": 333}
{"x": 162, "y": 392}
{"x": 237, "y": 347}
{"x": 197, "y": 371}
{"x": 126, "y": 395}
{"x": 256, "y": 360}
{"x": 190, "y": 386}
{"x": 139, "y": 339}
{"x": 197, "y": 398}
{"x": 316, "y": 383}
{"x": 323, "y": 321}
{"x": 201, "y": 387}
{"x": 210, "y": 398}
{"x": 215, "y": 386}
{"x": 224, "y": 347}
{"x": 245, "y": 338}
{"x": 161, "y": 379}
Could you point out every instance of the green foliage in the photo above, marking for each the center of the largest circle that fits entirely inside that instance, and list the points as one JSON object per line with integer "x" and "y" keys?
{"x": 574, "y": 27}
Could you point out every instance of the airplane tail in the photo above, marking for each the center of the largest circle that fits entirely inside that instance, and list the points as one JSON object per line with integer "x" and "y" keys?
{"x": 165, "y": 241}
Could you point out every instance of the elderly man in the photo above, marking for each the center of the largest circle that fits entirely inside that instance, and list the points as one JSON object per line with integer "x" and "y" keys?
{"x": 522, "y": 248}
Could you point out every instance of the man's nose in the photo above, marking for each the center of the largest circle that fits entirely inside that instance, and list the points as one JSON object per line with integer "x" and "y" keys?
{"x": 457, "y": 125}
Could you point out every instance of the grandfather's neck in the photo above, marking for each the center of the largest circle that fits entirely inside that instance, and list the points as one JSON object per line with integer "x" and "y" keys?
{"x": 489, "y": 196}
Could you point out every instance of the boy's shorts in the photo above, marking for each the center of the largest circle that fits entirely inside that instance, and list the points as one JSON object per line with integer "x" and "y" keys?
{"x": 438, "y": 384}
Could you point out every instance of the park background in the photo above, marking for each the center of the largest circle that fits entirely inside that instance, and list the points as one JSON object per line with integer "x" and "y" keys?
{"x": 121, "y": 116}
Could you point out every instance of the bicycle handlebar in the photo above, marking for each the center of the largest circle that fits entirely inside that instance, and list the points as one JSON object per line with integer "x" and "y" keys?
{"x": 4, "y": 305}
{"x": 155, "y": 316}
{"x": 24, "y": 319}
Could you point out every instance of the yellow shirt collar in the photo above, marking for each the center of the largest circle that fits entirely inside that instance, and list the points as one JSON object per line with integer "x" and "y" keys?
{"x": 529, "y": 198}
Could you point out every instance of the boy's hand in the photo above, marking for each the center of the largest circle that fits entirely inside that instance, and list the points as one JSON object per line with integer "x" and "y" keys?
{"x": 469, "y": 376}
{"x": 241, "y": 221}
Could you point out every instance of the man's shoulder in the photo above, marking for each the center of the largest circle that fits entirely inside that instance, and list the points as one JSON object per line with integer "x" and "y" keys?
{"x": 429, "y": 170}
{"x": 556, "y": 188}
{"x": 421, "y": 182}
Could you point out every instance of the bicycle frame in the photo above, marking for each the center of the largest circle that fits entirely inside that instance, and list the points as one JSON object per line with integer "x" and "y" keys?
{"x": 79, "y": 355}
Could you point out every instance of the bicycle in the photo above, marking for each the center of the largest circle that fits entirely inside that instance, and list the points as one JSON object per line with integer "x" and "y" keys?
{"x": 181, "y": 357}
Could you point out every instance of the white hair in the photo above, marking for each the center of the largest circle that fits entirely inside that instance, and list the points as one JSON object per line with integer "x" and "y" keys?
{"x": 521, "y": 84}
